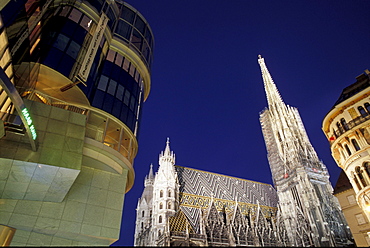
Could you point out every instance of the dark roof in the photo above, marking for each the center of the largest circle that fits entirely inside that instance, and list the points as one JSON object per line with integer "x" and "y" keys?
{"x": 343, "y": 183}
{"x": 362, "y": 82}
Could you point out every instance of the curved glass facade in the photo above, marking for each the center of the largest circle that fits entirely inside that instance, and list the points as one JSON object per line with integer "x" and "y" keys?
{"x": 115, "y": 83}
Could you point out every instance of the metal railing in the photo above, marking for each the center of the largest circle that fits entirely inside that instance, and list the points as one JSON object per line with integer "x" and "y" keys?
{"x": 351, "y": 124}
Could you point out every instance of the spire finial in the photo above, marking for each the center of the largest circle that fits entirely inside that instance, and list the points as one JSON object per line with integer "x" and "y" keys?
{"x": 272, "y": 93}
{"x": 167, "y": 154}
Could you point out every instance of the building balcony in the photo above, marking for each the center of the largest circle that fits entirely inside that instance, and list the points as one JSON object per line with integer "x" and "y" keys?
{"x": 351, "y": 124}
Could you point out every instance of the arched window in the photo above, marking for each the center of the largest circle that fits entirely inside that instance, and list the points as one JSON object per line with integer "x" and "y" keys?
{"x": 355, "y": 144}
{"x": 161, "y": 193}
{"x": 150, "y": 213}
{"x": 367, "y": 107}
{"x": 362, "y": 111}
{"x": 161, "y": 205}
{"x": 348, "y": 150}
{"x": 159, "y": 233}
{"x": 160, "y": 219}
{"x": 367, "y": 168}
{"x": 339, "y": 127}
{"x": 169, "y": 205}
{"x": 359, "y": 175}
{"x": 356, "y": 181}
{"x": 142, "y": 225}
{"x": 169, "y": 193}
{"x": 344, "y": 124}
{"x": 142, "y": 214}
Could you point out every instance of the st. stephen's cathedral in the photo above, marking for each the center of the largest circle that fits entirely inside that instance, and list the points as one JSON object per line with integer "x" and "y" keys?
{"x": 182, "y": 206}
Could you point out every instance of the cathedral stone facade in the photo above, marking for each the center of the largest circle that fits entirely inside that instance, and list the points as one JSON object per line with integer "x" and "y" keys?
{"x": 185, "y": 206}
{"x": 181, "y": 206}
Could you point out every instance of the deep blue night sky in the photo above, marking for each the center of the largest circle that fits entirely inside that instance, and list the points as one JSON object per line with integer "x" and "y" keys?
{"x": 207, "y": 90}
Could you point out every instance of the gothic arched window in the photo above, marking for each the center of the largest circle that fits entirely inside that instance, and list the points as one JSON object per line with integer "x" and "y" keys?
{"x": 161, "y": 205}
{"x": 344, "y": 124}
{"x": 142, "y": 225}
{"x": 348, "y": 150}
{"x": 169, "y": 205}
{"x": 142, "y": 214}
{"x": 159, "y": 233}
{"x": 169, "y": 193}
{"x": 161, "y": 193}
{"x": 362, "y": 111}
{"x": 160, "y": 219}
{"x": 355, "y": 144}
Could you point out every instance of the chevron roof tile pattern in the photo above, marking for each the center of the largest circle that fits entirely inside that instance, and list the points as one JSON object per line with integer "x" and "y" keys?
{"x": 197, "y": 188}
{"x": 208, "y": 184}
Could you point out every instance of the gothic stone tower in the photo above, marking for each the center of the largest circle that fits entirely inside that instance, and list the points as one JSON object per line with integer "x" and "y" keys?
{"x": 311, "y": 213}
{"x": 159, "y": 199}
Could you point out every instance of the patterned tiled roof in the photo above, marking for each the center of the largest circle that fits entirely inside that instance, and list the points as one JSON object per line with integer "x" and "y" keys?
{"x": 198, "y": 188}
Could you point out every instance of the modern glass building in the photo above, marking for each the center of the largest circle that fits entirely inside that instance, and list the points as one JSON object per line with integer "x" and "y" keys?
{"x": 74, "y": 75}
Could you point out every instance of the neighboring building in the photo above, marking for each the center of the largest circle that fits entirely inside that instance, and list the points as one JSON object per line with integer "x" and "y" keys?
{"x": 73, "y": 78}
{"x": 347, "y": 128}
{"x": 357, "y": 220}
{"x": 311, "y": 213}
{"x": 190, "y": 207}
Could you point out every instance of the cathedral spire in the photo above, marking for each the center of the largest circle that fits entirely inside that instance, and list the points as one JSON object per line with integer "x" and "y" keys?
{"x": 272, "y": 93}
{"x": 167, "y": 155}
{"x": 149, "y": 179}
